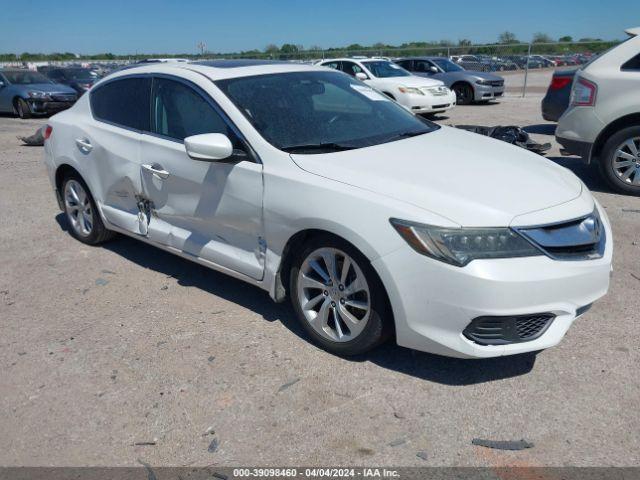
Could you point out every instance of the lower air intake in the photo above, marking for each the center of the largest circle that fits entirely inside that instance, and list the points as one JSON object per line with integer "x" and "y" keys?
{"x": 506, "y": 330}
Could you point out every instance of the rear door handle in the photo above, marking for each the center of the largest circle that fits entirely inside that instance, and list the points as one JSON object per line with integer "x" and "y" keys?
{"x": 84, "y": 145}
{"x": 156, "y": 170}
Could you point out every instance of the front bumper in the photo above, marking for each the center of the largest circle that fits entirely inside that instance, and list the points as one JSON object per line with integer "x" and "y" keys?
{"x": 45, "y": 107}
{"x": 434, "y": 302}
{"x": 487, "y": 92}
{"x": 428, "y": 103}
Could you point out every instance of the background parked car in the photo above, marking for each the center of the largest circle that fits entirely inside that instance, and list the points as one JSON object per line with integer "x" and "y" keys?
{"x": 418, "y": 94}
{"x": 556, "y": 101}
{"x": 80, "y": 79}
{"x": 602, "y": 123}
{"x": 469, "y": 86}
{"x": 26, "y": 93}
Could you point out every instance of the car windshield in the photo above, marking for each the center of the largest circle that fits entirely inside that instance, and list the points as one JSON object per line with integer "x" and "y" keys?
{"x": 319, "y": 112}
{"x": 26, "y": 77}
{"x": 447, "y": 65}
{"x": 78, "y": 74}
{"x": 384, "y": 69}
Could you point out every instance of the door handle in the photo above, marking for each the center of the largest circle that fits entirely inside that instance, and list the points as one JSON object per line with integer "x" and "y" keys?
{"x": 84, "y": 145}
{"x": 156, "y": 170}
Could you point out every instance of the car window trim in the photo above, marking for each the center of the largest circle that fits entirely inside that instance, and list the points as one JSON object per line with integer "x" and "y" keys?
{"x": 251, "y": 153}
{"x": 107, "y": 82}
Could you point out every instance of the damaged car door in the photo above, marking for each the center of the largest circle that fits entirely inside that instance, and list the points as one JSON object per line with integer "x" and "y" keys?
{"x": 211, "y": 210}
{"x": 120, "y": 111}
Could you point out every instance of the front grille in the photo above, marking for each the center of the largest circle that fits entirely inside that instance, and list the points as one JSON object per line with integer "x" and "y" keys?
{"x": 579, "y": 239}
{"x": 444, "y": 105}
{"x": 496, "y": 83}
{"x": 506, "y": 330}
{"x": 62, "y": 97}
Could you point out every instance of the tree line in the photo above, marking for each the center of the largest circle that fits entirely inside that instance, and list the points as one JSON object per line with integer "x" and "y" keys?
{"x": 507, "y": 44}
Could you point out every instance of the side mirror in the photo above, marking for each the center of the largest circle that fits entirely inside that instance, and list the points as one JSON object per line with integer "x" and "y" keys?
{"x": 208, "y": 147}
{"x": 1, "y": 84}
{"x": 433, "y": 69}
{"x": 362, "y": 76}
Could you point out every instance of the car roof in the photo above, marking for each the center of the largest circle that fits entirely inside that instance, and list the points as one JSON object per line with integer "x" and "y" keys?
{"x": 217, "y": 69}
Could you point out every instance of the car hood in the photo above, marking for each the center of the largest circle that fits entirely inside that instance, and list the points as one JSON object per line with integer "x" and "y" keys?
{"x": 48, "y": 88}
{"x": 470, "y": 179}
{"x": 412, "y": 81}
{"x": 481, "y": 75}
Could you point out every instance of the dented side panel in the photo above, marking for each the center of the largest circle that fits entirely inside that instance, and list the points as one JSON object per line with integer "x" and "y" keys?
{"x": 210, "y": 210}
{"x": 117, "y": 173}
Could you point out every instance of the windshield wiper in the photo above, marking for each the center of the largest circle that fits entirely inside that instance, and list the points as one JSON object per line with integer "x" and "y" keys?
{"x": 407, "y": 135}
{"x": 330, "y": 146}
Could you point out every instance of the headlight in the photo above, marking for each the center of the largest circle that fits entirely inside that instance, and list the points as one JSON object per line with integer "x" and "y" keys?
{"x": 39, "y": 95}
{"x": 459, "y": 246}
{"x": 413, "y": 90}
{"x": 483, "y": 82}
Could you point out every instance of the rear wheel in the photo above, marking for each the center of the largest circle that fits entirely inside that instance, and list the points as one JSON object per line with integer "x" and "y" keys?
{"x": 22, "y": 108}
{"x": 82, "y": 215}
{"x": 620, "y": 161}
{"x": 338, "y": 297}
{"x": 464, "y": 93}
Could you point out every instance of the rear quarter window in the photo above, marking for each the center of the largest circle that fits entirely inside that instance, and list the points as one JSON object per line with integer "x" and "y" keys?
{"x": 125, "y": 103}
{"x": 633, "y": 64}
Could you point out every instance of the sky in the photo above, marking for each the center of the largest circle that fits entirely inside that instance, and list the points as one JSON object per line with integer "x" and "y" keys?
{"x": 164, "y": 26}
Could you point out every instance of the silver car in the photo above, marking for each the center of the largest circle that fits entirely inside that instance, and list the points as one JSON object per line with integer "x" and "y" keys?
{"x": 469, "y": 86}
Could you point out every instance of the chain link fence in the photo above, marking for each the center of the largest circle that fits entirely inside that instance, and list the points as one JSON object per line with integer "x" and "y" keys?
{"x": 526, "y": 68}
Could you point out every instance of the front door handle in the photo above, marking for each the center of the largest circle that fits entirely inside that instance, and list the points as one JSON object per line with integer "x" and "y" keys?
{"x": 156, "y": 170}
{"x": 84, "y": 145}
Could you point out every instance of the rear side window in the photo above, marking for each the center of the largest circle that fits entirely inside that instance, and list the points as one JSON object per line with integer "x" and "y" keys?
{"x": 125, "y": 103}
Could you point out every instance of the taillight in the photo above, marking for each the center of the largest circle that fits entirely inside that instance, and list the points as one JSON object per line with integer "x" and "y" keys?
{"x": 583, "y": 93}
{"x": 47, "y": 132}
{"x": 559, "y": 82}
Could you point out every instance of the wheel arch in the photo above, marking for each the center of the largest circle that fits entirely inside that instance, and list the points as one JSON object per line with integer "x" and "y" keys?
{"x": 630, "y": 120}
{"x": 297, "y": 241}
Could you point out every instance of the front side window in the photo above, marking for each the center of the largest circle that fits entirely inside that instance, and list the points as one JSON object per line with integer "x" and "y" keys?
{"x": 447, "y": 65}
{"x": 351, "y": 68}
{"x": 179, "y": 112}
{"x": 320, "y": 111}
{"x": 334, "y": 65}
{"x": 25, "y": 77}
{"x": 384, "y": 69}
{"x": 123, "y": 102}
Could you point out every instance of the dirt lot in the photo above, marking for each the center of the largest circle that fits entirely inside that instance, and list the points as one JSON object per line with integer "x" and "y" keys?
{"x": 106, "y": 347}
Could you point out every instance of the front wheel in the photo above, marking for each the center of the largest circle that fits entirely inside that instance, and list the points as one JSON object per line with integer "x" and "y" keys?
{"x": 620, "y": 161}
{"x": 22, "y": 108}
{"x": 464, "y": 93}
{"x": 338, "y": 297}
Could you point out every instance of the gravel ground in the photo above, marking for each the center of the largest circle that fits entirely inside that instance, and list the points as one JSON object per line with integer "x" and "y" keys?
{"x": 106, "y": 347}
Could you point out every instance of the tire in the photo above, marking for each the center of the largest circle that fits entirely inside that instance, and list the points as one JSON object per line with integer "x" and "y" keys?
{"x": 22, "y": 108}
{"x": 317, "y": 299}
{"x": 464, "y": 93}
{"x": 617, "y": 165}
{"x": 82, "y": 215}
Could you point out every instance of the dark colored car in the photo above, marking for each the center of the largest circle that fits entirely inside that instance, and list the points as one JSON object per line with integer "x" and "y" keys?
{"x": 26, "y": 93}
{"x": 80, "y": 79}
{"x": 556, "y": 101}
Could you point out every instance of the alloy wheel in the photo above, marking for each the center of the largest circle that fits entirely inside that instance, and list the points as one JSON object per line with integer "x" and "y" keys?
{"x": 626, "y": 161}
{"x": 78, "y": 207}
{"x": 333, "y": 294}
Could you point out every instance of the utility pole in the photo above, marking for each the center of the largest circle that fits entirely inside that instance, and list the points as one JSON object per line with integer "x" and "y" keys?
{"x": 202, "y": 47}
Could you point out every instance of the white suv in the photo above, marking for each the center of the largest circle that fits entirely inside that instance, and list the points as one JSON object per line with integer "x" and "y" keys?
{"x": 602, "y": 123}
{"x": 418, "y": 94}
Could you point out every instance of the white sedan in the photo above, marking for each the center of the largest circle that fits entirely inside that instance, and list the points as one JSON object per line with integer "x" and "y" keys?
{"x": 418, "y": 94}
{"x": 304, "y": 182}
